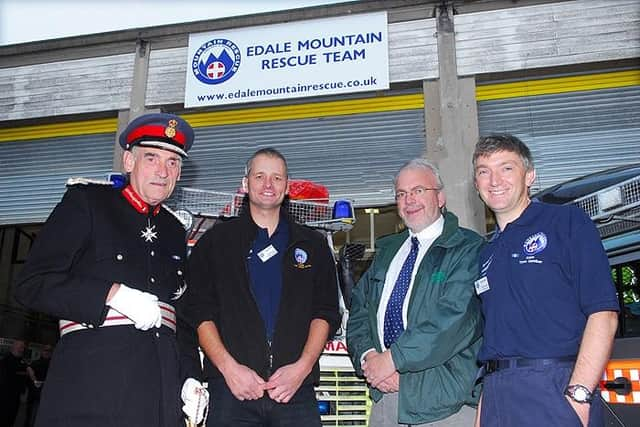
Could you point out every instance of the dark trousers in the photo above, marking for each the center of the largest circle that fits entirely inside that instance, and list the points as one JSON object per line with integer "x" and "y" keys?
{"x": 117, "y": 376}
{"x": 32, "y": 410}
{"x": 532, "y": 397}
{"x": 9, "y": 404}
{"x": 227, "y": 411}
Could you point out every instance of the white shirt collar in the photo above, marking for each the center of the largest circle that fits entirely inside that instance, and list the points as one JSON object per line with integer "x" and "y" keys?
{"x": 430, "y": 233}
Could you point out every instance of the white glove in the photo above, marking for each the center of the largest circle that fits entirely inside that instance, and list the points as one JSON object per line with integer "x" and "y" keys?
{"x": 141, "y": 307}
{"x": 196, "y": 400}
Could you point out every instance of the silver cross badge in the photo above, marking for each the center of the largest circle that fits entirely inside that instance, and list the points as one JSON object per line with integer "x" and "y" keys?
{"x": 148, "y": 234}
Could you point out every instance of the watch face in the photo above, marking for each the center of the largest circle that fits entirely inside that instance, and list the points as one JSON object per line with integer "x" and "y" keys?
{"x": 580, "y": 395}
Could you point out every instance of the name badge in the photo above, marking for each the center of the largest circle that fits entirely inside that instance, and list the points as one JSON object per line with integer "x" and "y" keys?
{"x": 482, "y": 285}
{"x": 267, "y": 253}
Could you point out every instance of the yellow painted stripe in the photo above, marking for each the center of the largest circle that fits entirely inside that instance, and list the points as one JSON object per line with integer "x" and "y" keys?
{"x": 337, "y": 108}
{"x": 305, "y": 111}
{"x": 86, "y": 127}
{"x": 249, "y": 115}
{"x": 558, "y": 85}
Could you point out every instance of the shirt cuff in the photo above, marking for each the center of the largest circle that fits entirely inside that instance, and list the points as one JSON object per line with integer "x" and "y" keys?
{"x": 365, "y": 354}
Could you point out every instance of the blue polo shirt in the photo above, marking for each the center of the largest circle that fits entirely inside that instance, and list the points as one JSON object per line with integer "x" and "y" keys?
{"x": 265, "y": 272}
{"x": 545, "y": 273}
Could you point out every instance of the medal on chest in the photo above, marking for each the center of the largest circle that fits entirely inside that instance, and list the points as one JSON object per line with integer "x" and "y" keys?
{"x": 149, "y": 233}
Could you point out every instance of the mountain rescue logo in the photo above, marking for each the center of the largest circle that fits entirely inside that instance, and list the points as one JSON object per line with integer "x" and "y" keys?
{"x": 301, "y": 257}
{"x": 535, "y": 244}
{"x": 216, "y": 61}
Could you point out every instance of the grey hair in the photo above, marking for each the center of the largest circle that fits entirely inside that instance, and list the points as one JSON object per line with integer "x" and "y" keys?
{"x": 420, "y": 163}
{"x": 269, "y": 152}
{"x": 490, "y": 144}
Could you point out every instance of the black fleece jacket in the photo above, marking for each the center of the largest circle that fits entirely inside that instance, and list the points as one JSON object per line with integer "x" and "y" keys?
{"x": 220, "y": 291}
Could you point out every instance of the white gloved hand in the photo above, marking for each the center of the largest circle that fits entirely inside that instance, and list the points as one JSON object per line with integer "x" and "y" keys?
{"x": 196, "y": 400}
{"x": 141, "y": 307}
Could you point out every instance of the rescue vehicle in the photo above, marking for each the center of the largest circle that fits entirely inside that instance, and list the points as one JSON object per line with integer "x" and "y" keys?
{"x": 612, "y": 199}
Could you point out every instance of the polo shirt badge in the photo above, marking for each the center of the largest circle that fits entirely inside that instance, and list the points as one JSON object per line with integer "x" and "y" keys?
{"x": 535, "y": 243}
{"x": 300, "y": 256}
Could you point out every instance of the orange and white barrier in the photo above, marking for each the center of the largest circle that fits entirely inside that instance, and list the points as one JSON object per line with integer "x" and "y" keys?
{"x": 623, "y": 368}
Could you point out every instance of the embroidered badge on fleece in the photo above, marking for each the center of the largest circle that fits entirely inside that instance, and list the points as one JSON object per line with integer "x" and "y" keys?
{"x": 300, "y": 256}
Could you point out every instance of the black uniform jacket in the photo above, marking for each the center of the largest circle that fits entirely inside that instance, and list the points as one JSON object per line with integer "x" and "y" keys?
{"x": 220, "y": 291}
{"x": 116, "y": 375}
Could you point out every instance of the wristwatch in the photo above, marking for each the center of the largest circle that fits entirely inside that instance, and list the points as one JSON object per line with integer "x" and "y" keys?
{"x": 579, "y": 393}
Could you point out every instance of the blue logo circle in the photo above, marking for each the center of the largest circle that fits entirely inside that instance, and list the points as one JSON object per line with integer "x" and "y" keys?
{"x": 300, "y": 255}
{"x": 535, "y": 244}
{"x": 216, "y": 61}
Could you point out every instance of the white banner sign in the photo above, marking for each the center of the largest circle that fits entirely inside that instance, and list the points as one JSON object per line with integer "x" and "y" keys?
{"x": 292, "y": 60}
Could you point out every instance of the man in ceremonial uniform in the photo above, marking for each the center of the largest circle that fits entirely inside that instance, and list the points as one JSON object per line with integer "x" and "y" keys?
{"x": 109, "y": 262}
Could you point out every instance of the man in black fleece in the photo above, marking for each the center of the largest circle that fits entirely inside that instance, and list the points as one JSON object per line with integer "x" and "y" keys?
{"x": 264, "y": 300}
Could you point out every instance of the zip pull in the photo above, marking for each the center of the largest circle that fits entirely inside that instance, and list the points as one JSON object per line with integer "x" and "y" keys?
{"x": 270, "y": 357}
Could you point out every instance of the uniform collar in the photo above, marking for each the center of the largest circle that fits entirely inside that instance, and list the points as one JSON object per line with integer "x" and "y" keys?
{"x": 449, "y": 235}
{"x": 136, "y": 201}
{"x": 245, "y": 213}
{"x": 528, "y": 216}
{"x": 281, "y": 229}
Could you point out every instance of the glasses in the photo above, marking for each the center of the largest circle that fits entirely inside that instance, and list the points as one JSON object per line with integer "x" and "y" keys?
{"x": 415, "y": 192}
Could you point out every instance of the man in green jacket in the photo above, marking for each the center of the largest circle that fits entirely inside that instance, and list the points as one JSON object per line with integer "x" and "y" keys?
{"x": 415, "y": 325}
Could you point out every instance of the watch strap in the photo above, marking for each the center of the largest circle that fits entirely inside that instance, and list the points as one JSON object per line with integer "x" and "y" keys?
{"x": 579, "y": 393}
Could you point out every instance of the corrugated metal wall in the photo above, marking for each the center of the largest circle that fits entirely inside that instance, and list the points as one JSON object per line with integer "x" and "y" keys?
{"x": 77, "y": 86}
{"x": 354, "y": 152}
{"x": 570, "y": 134}
{"x": 547, "y": 35}
{"x": 413, "y": 51}
{"x": 33, "y": 173}
{"x": 355, "y": 156}
{"x": 325, "y": 142}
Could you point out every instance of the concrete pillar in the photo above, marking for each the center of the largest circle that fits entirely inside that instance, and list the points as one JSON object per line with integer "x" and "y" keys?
{"x": 138, "y": 96}
{"x": 452, "y": 127}
{"x": 7, "y": 238}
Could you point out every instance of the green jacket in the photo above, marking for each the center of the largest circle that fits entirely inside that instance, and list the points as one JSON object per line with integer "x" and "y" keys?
{"x": 436, "y": 354}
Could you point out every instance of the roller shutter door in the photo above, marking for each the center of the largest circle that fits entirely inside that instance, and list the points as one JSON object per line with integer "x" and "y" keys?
{"x": 33, "y": 172}
{"x": 354, "y": 155}
{"x": 573, "y": 125}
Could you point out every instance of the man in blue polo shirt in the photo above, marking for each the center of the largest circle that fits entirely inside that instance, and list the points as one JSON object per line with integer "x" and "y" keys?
{"x": 549, "y": 304}
{"x": 264, "y": 300}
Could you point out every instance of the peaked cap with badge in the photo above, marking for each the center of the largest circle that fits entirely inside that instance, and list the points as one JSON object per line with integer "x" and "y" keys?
{"x": 158, "y": 130}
